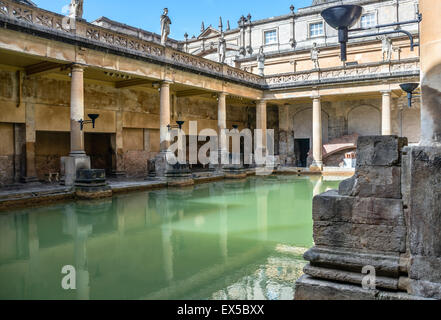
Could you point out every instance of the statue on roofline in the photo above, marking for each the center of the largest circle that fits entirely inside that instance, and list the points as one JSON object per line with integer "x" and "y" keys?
{"x": 165, "y": 26}
{"x": 222, "y": 49}
{"x": 261, "y": 62}
{"x": 76, "y": 9}
{"x": 315, "y": 56}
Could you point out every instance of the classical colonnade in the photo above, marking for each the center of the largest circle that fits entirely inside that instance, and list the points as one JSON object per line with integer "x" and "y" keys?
{"x": 77, "y": 114}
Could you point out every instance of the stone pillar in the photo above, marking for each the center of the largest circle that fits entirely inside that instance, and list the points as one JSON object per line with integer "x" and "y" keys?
{"x": 164, "y": 118}
{"x": 77, "y": 158}
{"x": 430, "y": 45}
{"x": 386, "y": 124}
{"x": 286, "y": 138}
{"x": 31, "y": 172}
{"x": 118, "y": 148}
{"x": 421, "y": 167}
{"x": 77, "y": 111}
{"x": 261, "y": 122}
{"x": 317, "y": 145}
{"x": 222, "y": 125}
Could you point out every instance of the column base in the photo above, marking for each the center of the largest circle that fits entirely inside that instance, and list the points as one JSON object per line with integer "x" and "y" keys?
{"x": 316, "y": 166}
{"x": 71, "y": 164}
{"x": 29, "y": 180}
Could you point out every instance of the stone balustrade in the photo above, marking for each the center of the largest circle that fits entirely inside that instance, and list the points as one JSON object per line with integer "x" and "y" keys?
{"x": 408, "y": 67}
{"x": 81, "y": 29}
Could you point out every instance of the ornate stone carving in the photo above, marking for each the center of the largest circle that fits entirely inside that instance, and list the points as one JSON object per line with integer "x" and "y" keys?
{"x": 4, "y": 8}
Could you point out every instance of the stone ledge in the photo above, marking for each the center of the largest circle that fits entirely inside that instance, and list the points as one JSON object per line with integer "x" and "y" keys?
{"x": 308, "y": 288}
{"x": 350, "y": 277}
{"x": 386, "y": 264}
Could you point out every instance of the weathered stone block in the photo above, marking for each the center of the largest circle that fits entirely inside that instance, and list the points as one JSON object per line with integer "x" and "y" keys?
{"x": 380, "y": 238}
{"x": 379, "y": 150}
{"x": 376, "y": 181}
{"x": 332, "y": 207}
{"x": 422, "y": 194}
{"x": 337, "y": 258}
{"x": 425, "y": 268}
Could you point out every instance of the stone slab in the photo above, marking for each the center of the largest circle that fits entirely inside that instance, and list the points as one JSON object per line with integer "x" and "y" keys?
{"x": 379, "y": 238}
{"x": 337, "y": 258}
{"x": 330, "y": 206}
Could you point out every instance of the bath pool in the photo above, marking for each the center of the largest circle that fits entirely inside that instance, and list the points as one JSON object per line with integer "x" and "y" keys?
{"x": 223, "y": 240}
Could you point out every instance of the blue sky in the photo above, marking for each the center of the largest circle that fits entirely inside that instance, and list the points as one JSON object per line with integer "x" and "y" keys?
{"x": 186, "y": 15}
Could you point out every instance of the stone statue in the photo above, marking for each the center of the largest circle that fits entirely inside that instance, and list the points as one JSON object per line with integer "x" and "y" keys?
{"x": 165, "y": 26}
{"x": 261, "y": 62}
{"x": 76, "y": 9}
{"x": 222, "y": 49}
{"x": 315, "y": 56}
{"x": 386, "y": 47}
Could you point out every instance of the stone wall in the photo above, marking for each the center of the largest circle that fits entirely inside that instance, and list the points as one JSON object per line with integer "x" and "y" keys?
{"x": 6, "y": 153}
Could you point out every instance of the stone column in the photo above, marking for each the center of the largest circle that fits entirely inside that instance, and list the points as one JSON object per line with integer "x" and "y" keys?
{"x": 286, "y": 138}
{"x": 386, "y": 124}
{"x": 430, "y": 73}
{"x": 317, "y": 138}
{"x": 77, "y": 157}
{"x": 222, "y": 125}
{"x": 261, "y": 122}
{"x": 31, "y": 172}
{"x": 164, "y": 119}
{"x": 77, "y": 111}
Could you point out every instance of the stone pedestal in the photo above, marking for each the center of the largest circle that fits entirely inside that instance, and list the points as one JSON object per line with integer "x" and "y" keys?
{"x": 174, "y": 175}
{"x": 91, "y": 184}
{"x": 361, "y": 225}
{"x": 70, "y": 165}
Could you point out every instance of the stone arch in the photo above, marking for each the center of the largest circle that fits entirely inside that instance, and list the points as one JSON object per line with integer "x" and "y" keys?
{"x": 364, "y": 120}
{"x": 302, "y": 121}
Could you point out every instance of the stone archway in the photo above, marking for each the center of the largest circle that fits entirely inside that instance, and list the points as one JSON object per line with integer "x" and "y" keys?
{"x": 364, "y": 120}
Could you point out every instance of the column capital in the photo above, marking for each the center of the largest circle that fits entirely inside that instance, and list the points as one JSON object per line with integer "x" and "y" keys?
{"x": 77, "y": 67}
{"x": 222, "y": 94}
{"x": 166, "y": 83}
{"x": 316, "y": 97}
{"x": 386, "y": 92}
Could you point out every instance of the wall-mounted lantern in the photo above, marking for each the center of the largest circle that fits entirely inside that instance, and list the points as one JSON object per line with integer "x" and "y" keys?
{"x": 235, "y": 127}
{"x": 409, "y": 88}
{"x": 344, "y": 17}
{"x": 179, "y": 125}
{"x": 92, "y": 120}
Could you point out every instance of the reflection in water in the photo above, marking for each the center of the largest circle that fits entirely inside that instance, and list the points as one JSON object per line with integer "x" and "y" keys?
{"x": 225, "y": 240}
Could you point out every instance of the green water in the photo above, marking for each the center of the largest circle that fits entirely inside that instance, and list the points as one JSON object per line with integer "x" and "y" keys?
{"x": 224, "y": 240}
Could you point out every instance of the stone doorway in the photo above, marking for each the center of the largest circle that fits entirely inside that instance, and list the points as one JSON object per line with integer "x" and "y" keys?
{"x": 302, "y": 147}
{"x": 98, "y": 147}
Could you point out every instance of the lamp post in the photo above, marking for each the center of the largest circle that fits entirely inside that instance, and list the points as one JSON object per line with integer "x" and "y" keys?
{"x": 344, "y": 17}
{"x": 409, "y": 88}
{"x": 92, "y": 120}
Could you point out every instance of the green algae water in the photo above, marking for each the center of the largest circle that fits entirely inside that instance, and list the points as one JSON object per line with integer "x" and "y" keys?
{"x": 224, "y": 240}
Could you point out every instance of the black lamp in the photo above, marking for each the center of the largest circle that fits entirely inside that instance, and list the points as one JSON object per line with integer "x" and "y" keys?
{"x": 235, "y": 126}
{"x": 92, "y": 120}
{"x": 342, "y": 18}
{"x": 179, "y": 125}
{"x": 409, "y": 88}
